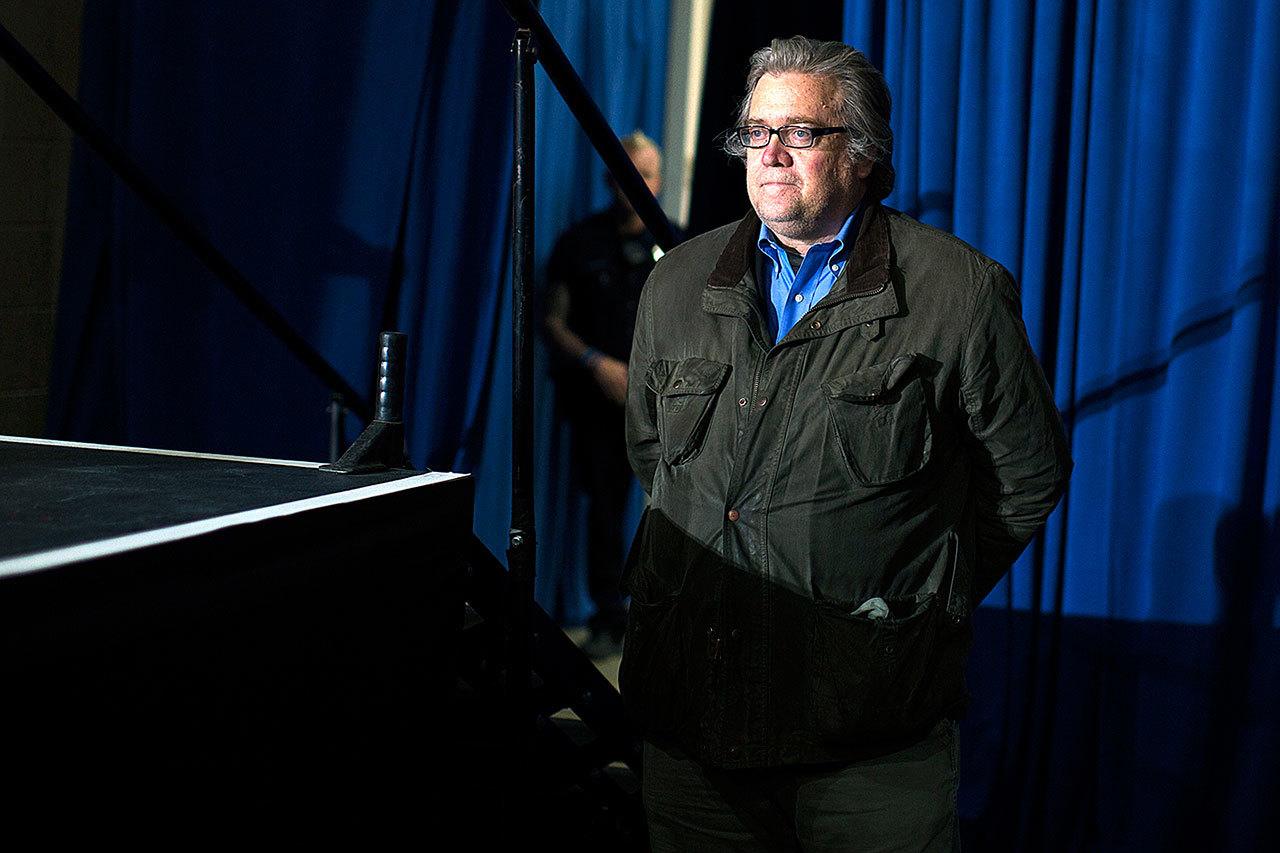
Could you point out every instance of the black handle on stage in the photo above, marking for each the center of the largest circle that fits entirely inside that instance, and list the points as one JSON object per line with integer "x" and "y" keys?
{"x": 390, "y": 403}
{"x": 381, "y": 446}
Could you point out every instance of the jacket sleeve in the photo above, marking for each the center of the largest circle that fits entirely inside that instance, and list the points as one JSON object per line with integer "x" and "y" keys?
{"x": 643, "y": 448}
{"x": 1017, "y": 445}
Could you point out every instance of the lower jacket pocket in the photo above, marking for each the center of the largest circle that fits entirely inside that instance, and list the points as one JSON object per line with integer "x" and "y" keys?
{"x": 654, "y": 673}
{"x": 881, "y": 679}
{"x": 665, "y": 672}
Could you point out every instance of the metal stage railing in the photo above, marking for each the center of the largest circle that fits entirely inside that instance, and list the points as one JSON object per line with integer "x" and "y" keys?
{"x": 575, "y": 95}
{"x": 534, "y": 42}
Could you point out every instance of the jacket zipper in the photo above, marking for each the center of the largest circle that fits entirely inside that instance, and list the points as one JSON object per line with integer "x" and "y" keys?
{"x": 755, "y": 379}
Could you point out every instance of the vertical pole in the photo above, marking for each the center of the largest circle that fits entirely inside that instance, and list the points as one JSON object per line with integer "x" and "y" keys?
{"x": 389, "y": 404}
{"x": 336, "y": 410}
{"x": 520, "y": 545}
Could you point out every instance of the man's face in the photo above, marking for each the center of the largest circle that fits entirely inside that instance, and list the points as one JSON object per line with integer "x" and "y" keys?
{"x": 649, "y": 164}
{"x": 802, "y": 194}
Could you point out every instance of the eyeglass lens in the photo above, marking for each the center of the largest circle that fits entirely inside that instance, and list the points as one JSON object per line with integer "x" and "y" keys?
{"x": 792, "y": 135}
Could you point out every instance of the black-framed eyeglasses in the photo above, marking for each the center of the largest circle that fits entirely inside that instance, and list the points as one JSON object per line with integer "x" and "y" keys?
{"x": 791, "y": 135}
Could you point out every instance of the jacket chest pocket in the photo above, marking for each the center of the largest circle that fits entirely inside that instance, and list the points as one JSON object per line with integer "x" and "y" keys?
{"x": 686, "y": 392}
{"x": 881, "y": 419}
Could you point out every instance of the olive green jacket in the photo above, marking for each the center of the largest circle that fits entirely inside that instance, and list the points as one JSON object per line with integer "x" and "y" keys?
{"x": 899, "y": 443}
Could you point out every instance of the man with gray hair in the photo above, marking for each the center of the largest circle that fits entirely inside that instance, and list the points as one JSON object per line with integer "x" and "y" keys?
{"x": 846, "y": 441}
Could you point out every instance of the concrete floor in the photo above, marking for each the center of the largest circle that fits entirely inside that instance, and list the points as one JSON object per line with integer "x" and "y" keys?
{"x": 608, "y": 666}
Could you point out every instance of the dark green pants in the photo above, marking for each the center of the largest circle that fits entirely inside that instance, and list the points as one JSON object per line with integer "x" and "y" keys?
{"x": 905, "y": 801}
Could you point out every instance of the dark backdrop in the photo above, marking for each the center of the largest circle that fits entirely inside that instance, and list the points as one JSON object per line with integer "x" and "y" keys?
{"x": 738, "y": 29}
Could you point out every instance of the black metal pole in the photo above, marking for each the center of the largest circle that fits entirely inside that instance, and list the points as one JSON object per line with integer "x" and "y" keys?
{"x": 521, "y": 544}
{"x": 560, "y": 71}
{"x": 389, "y": 405}
{"x": 70, "y": 111}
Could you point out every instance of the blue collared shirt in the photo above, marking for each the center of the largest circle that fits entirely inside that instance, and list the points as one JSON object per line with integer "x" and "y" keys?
{"x": 792, "y": 293}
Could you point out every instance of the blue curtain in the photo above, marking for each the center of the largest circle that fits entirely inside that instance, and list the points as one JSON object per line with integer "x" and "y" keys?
{"x": 291, "y": 133}
{"x": 354, "y": 161}
{"x": 1120, "y": 158}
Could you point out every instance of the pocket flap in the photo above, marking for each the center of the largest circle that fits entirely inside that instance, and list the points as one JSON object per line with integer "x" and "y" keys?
{"x": 692, "y": 376}
{"x": 871, "y": 383}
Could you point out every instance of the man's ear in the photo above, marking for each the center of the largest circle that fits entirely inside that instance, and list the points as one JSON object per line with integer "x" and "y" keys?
{"x": 863, "y": 169}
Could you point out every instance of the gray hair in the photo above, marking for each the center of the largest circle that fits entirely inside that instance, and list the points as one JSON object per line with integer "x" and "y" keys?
{"x": 864, "y": 99}
{"x": 637, "y": 140}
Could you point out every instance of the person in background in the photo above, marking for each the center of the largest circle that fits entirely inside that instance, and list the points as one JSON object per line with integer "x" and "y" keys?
{"x": 847, "y": 441}
{"x": 594, "y": 277}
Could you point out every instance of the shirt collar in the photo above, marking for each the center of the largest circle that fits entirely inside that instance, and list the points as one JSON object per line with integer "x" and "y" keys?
{"x": 838, "y": 247}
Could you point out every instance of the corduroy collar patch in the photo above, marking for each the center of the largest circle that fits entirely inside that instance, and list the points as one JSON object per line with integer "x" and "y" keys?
{"x": 868, "y": 266}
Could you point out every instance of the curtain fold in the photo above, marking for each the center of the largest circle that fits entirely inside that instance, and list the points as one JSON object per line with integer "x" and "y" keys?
{"x": 1120, "y": 160}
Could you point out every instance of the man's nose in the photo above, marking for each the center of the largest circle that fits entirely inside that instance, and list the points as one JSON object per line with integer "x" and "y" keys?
{"x": 775, "y": 153}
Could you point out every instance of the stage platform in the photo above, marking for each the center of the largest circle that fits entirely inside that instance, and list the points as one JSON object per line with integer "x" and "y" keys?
{"x": 175, "y": 623}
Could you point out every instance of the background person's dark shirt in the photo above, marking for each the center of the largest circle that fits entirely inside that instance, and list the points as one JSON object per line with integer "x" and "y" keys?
{"x": 603, "y": 272}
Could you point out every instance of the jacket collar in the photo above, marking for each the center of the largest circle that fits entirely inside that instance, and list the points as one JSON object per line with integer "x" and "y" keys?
{"x": 731, "y": 286}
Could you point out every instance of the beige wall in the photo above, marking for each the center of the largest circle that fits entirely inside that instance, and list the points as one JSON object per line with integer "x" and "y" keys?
{"x": 35, "y": 151}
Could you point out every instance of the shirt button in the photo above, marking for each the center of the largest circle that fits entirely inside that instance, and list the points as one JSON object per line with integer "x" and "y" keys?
{"x": 733, "y": 515}
{"x": 742, "y": 401}
{"x": 799, "y": 297}
{"x": 835, "y": 268}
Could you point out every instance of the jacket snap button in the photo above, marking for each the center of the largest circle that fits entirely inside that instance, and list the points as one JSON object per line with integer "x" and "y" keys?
{"x": 816, "y": 324}
{"x": 761, "y": 402}
{"x": 742, "y": 401}
{"x": 677, "y": 383}
{"x": 733, "y": 515}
